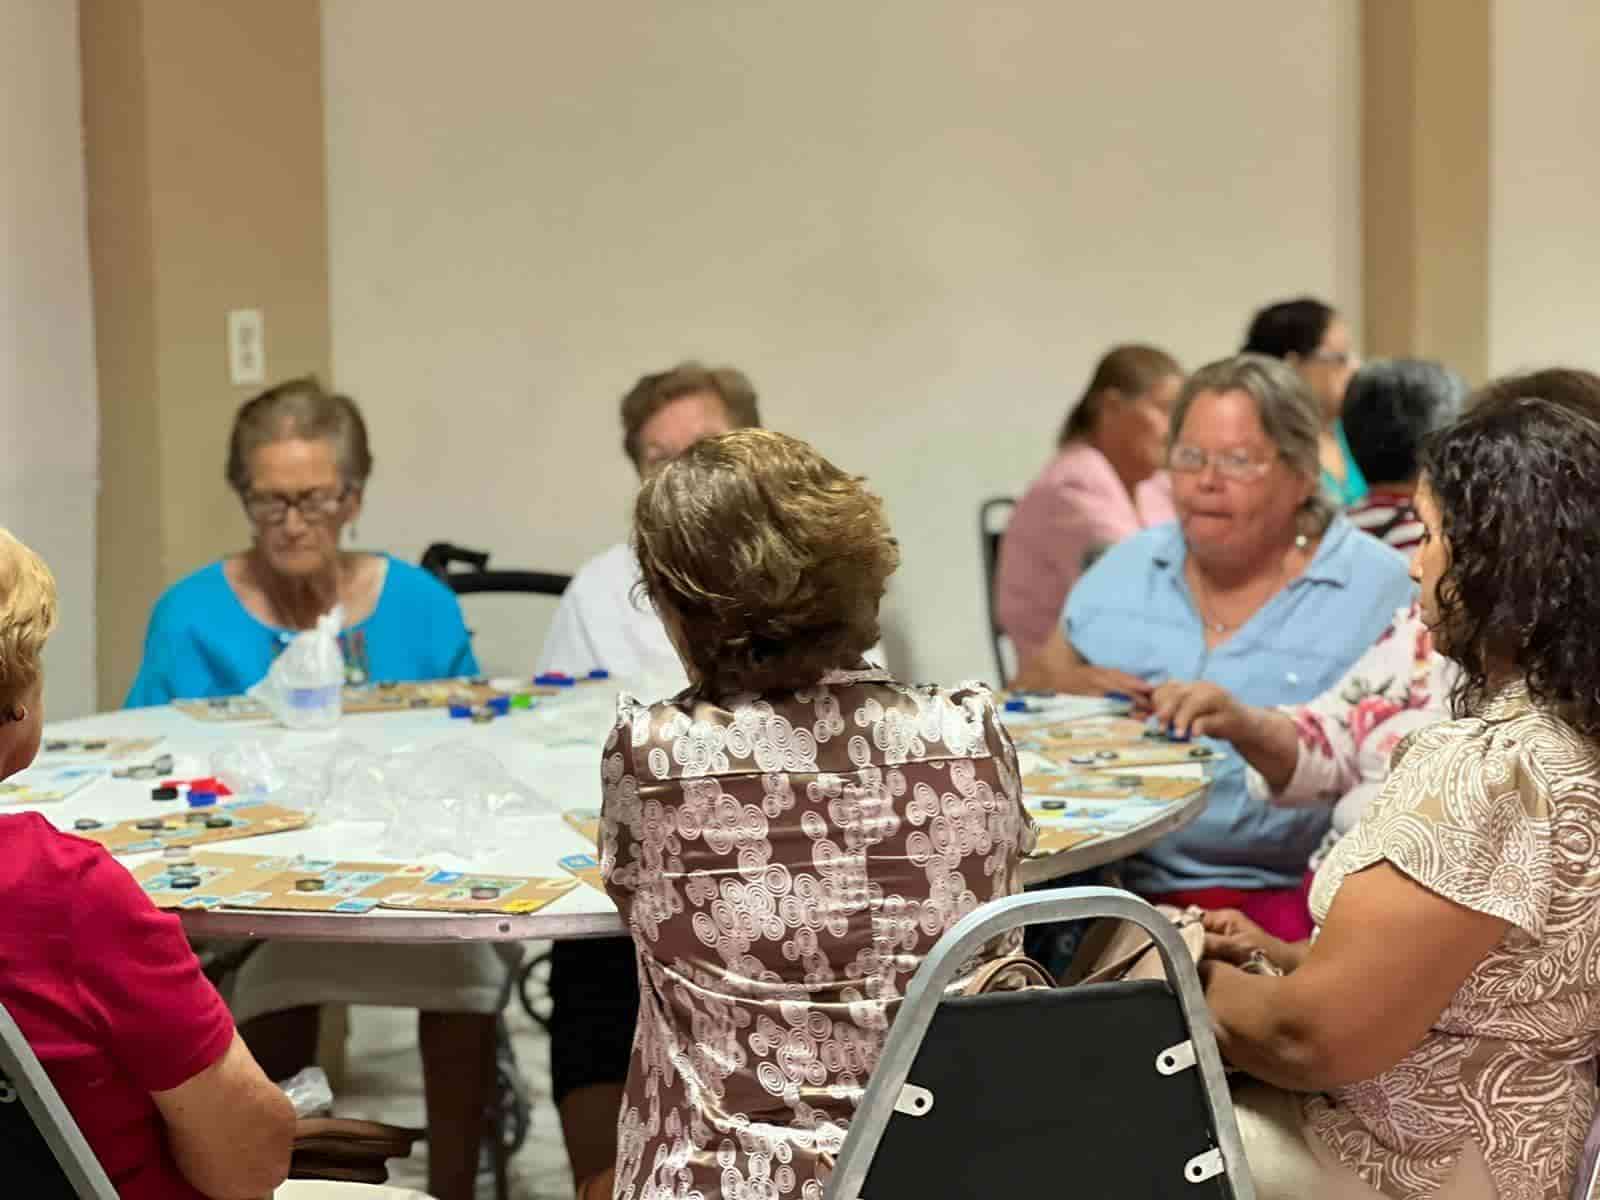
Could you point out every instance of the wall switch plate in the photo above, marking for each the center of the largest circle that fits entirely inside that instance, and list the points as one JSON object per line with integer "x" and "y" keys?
{"x": 247, "y": 347}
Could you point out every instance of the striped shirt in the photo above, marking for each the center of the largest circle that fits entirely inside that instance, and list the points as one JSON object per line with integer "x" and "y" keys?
{"x": 1388, "y": 516}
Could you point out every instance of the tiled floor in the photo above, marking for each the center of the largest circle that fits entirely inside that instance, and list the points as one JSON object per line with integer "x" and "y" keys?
{"x": 385, "y": 1084}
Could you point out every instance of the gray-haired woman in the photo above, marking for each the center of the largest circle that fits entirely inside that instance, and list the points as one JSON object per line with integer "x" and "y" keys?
{"x": 1260, "y": 588}
{"x": 299, "y": 461}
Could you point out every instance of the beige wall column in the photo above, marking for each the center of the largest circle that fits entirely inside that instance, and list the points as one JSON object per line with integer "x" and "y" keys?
{"x": 204, "y": 143}
{"x": 1425, "y": 180}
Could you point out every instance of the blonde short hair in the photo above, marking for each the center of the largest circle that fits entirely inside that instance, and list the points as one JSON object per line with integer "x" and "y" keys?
{"x": 27, "y": 617}
{"x": 772, "y": 558}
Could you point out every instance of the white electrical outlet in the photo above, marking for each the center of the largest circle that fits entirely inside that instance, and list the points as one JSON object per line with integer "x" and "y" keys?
{"x": 247, "y": 347}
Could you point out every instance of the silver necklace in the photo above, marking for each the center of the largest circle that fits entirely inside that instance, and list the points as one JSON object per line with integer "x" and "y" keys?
{"x": 1219, "y": 627}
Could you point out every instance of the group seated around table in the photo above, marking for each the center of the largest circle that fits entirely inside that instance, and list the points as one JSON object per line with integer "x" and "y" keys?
{"x": 1438, "y": 1038}
{"x": 299, "y": 459}
{"x": 1261, "y": 588}
{"x": 110, "y": 997}
{"x": 787, "y": 838}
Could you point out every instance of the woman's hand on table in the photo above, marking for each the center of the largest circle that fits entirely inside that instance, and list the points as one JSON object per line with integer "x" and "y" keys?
{"x": 1233, "y": 938}
{"x": 1199, "y": 710}
{"x": 1058, "y": 667}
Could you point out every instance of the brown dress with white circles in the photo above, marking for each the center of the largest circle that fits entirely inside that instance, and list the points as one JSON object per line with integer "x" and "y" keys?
{"x": 783, "y": 864}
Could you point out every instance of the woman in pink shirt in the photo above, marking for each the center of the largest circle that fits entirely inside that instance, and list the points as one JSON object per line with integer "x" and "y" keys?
{"x": 1105, "y": 482}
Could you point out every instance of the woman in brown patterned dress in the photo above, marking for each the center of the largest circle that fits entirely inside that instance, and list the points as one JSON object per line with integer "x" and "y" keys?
{"x": 1441, "y": 1030}
{"x": 789, "y": 837}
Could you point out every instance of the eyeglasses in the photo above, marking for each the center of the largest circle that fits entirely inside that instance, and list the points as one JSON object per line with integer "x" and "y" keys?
{"x": 270, "y": 508}
{"x": 1238, "y": 465}
{"x": 1334, "y": 358}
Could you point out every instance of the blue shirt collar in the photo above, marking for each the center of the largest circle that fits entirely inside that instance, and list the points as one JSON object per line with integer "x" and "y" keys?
{"x": 1331, "y": 563}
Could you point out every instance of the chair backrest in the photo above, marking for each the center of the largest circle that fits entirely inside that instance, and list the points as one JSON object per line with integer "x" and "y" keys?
{"x": 43, "y": 1153}
{"x": 993, "y": 517}
{"x": 441, "y": 559}
{"x": 1113, "y": 1089}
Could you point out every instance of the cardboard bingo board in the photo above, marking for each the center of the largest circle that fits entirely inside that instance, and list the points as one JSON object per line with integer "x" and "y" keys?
{"x": 369, "y": 698}
{"x": 217, "y": 880}
{"x": 47, "y": 784}
{"x": 63, "y": 750}
{"x": 1110, "y": 745}
{"x": 1106, "y": 785}
{"x": 584, "y": 867}
{"x": 188, "y": 827}
{"x": 1054, "y": 840}
{"x": 586, "y": 821}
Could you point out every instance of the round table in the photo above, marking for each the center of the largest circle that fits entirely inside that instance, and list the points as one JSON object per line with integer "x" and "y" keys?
{"x": 554, "y": 750}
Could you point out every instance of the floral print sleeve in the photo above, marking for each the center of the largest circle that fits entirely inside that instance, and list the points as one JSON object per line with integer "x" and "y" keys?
{"x": 1347, "y": 733}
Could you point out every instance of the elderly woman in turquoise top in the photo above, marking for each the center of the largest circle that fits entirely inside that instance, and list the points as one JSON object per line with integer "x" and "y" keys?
{"x": 1258, "y": 587}
{"x": 299, "y": 461}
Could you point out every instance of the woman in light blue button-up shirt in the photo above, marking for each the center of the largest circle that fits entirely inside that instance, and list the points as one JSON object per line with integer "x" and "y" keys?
{"x": 1258, "y": 587}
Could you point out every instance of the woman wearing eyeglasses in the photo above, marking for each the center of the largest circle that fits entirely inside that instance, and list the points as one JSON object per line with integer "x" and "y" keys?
{"x": 299, "y": 461}
{"x": 1259, "y": 587}
{"x": 1313, "y": 339}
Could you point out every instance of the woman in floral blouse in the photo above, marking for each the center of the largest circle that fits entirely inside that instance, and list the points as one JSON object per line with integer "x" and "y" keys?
{"x": 1438, "y": 1036}
{"x": 787, "y": 838}
{"x": 1336, "y": 749}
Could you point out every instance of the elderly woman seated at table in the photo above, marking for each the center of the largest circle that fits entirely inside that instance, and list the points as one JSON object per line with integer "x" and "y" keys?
{"x": 1259, "y": 588}
{"x": 787, "y": 838}
{"x": 109, "y": 996}
{"x": 1441, "y": 1030}
{"x": 299, "y": 460}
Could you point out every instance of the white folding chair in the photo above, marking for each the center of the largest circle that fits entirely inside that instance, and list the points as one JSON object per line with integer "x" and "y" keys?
{"x": 45, "y": 1149}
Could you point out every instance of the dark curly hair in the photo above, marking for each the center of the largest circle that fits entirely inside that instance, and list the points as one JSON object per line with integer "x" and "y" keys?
{"x": 1517, "y": 486}
{"x": 772, "y": 559}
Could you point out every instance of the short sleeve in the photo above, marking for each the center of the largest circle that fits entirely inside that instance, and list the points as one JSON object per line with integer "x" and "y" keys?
{"x": 159, "y": 1016}
{"x": 621, "y": 813}
{"x": 1004, "y": 753}
{"x": 1467, "y": 816}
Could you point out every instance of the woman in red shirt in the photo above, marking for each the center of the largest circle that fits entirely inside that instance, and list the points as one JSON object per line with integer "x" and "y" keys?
{"x": 106, "y": 989}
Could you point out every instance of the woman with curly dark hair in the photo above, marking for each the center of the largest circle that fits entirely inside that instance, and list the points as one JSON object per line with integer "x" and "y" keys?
{"x": 789, "y": 837}
{"x": 1445, "y": 1021}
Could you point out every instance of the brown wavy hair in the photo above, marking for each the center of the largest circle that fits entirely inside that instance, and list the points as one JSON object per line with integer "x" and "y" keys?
{"x": 1130, "y": 370}
{"x": 1517, "y": 484}
{"x": 771, "y": 559}
{"x": 654, "y": 392}
{"x": 27, "y": 617}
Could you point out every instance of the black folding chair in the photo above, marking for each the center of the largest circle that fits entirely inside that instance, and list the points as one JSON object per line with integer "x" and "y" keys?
{"x": 1110, "y": 1089}
{"x": 993, "y": 517}
{"x": 43, "y": 1153}
{"x": 447, "y": 561}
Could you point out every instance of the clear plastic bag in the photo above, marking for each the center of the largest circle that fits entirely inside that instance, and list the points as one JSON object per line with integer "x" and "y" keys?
{"x": 309, "y": 1092}
{"x": 438, "y": 799}
{"x": 304, "y": 688}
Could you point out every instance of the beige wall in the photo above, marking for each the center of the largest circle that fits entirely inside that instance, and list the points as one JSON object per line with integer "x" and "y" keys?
{"x": 47, "y": 384}
{"x": 915, "y": 225}
{"x": 1544, "y": 244}
{"x": 204, "y": 135}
